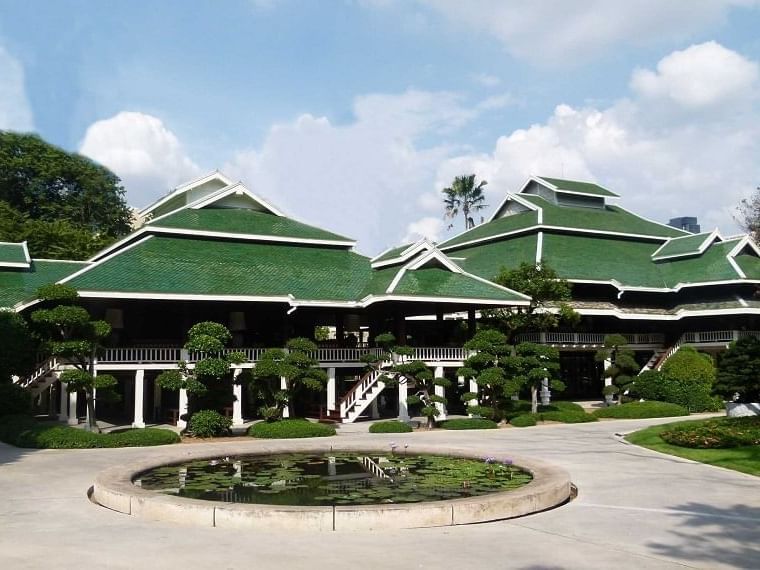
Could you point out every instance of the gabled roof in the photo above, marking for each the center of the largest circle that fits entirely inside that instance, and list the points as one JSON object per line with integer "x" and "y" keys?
{"x": 397, "y": 255}
{"x": 18, "y": 287}
{"x": 14, "y": 255}
{"x": 575, "y": 187}
{"x": 685, "y": 246}
{"x": 178, "y": 196}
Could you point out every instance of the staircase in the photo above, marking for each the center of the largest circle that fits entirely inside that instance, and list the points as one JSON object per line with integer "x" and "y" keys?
{"x": 660, "y": 356}
{"x": 361, "y": 395}
{"x": 42, "y": 377}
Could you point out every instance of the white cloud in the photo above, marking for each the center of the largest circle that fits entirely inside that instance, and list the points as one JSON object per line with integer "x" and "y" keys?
{"x": 663, "y": 163}
{"x": 142, "y": 151}
{"x": 363, "y": 179}
{"x": 15, "y": 110}
{"x": 699, "y": 76}
{"x": 428, "y": 227}
{"x": 563, "y": 32}
{"x": 486, "y": 79}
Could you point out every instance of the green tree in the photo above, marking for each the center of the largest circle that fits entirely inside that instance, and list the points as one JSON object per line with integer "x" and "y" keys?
{"x": 548, "y": 307}
{"x": 495, "y": 371}
{"x": 464, "y": 196}
{"x": 693, "y": 372}
{"x": 17, "y": 346}
{"x": 739, "y": 371}
{"x": 298, "y": 368}
{"x": 538, "y": 363}
{"x": 623, "y": 366}
{"x": 749, "y": 214}
{"x": 205, "y": 380}
{"x": 69, "y": 333}
{"x": 63, "y": 204}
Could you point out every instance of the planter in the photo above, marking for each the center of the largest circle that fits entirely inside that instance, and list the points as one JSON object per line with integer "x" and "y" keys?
{"x": 737, "y": 410}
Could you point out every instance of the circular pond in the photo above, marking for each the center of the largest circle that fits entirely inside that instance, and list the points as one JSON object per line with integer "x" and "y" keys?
{"x": 334, "y": 478}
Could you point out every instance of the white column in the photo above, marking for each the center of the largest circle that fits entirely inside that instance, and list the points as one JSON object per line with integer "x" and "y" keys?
{"x": 182, "y": 424}
{"x": 546, "y": 395}
{"x": 237, "y": 405}
{"x": 474, "y": 390}
{"x": 331, "y": 390}
{"x": 284, "y": 386}
{"x": 607, "y": 380}
{"x": 157, "y": 403}
{"x": 64, "y": 397}
{"x": 440, "y": 391}
{"x": 73, "y": 420}
{"x": 403, "y": 408}
{"x": 374, "y": 412}
{"x": 139, "y": 421}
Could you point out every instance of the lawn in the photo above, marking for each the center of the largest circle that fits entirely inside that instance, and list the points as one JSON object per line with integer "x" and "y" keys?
{"x": 745, "y": 459}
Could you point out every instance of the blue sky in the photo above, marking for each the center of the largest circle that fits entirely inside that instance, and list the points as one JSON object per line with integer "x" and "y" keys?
{"x": 353, "y": 114}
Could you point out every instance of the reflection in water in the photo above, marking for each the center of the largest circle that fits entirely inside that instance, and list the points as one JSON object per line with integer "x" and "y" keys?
{"x": 333, "y": 479}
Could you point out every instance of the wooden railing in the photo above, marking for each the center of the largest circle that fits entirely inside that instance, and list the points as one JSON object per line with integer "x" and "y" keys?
{"x": 350, "y": 398}
{"x": 141, "y": 355}
{"x": 581, "y": 338}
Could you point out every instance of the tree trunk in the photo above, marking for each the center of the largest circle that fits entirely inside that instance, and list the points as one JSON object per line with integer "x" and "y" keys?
{"x": 91, "y": 424}
{"x": 534, "y": 399}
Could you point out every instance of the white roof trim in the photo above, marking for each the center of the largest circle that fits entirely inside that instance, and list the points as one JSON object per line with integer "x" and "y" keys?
{"x": 408, "y": 253}
{"x": 17, "y": 264}
{"x": 184, "y": 188}
{"x": 104, "y": 259}
{"x": 650, "y": 220}
{"x": 620, "y": 287}
{"x": 248, "y": 237}
{"x": 438, "y": 255}
{"x": 556, "y": 188}
{"x": 706, "y": 242}
{"x": 236, "y": 188}
{"x": 677, "y": 316}
{"x": 516, "y": 198}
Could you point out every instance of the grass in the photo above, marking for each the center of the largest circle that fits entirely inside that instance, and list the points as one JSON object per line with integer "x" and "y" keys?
{"x": 290, "y": 428}
{"x": 745, "y": 459}
{"x": 25, "y": 431}
{"x": 641, "y": 410}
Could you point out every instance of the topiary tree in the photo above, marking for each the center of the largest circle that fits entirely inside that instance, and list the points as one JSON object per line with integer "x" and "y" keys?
{"x": 206, "y": 340}
{"x": 393, "y": 360}
{"x": 68, "y": 332}
{"x": 18, "y": 346}
{"x": 296, "y": 366}
{"x": 537, "y": 364}
{"x": 494, "y": 370}
{"x": 623, "y": 366}
{"x": 692, "y": 375}
{"x": 739, "y": 371}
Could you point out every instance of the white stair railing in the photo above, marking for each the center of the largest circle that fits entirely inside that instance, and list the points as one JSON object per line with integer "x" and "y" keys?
{"x": 368, "y": 382}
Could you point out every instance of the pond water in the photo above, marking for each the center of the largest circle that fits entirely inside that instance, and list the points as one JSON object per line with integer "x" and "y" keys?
{"x": 334, "y": 478}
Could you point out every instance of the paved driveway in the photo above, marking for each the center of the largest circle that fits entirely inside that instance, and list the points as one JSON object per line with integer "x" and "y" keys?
{"x": 635, "y": 509}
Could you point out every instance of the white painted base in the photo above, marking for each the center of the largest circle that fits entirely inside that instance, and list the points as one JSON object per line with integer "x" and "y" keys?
{"x": 736, "y": 410}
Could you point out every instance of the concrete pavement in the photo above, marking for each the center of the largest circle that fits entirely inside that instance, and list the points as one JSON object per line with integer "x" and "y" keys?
{"x": 635, "y": 509}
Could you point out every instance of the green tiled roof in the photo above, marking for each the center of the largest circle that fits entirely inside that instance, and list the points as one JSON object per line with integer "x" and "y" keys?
{"x": 494, "y": 228}
{"x": 392, "y": 253}
{"x": 211, "y": 267}
{"x": 445, "y": 283}
{"x": 487, "y": 260}
{"x": 379, "y": 281}
{"x": 685, "y": 245}
{"x": 602, "y": 259}
{"x": 750, "y": 264}
{"x": 607, "y": 219}
{"x": 243, "y": 221}
{"x": 12, "y": 253}
{"x": 580, "y": 187}
{"x": 712, "y": 265}
{"x": 19, "y": 286}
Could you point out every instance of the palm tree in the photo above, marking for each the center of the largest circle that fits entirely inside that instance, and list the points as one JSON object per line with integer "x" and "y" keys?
{"x": 465, "y": 196}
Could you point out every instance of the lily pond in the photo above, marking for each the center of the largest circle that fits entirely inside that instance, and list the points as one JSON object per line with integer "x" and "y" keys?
{"x": 334, "y": 478}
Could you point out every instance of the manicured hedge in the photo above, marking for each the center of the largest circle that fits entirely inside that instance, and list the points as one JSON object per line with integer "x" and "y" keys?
{"x": 392, "y": 426}
{"x": 25, "y": 431}
{"x": 639, "y": 410}
{"x": 527, "y": 420}
{"x": 567, "y": 417}
{"x": 469, "y": 423}
{"x": 14, "y": 400}
{"x": 715, "y": 433}
{"x": 209, "y": 423}
{"x": 290, "y": 428}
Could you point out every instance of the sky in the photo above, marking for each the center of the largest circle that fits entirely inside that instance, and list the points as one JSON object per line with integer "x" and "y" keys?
{"x": 354, "y": 114}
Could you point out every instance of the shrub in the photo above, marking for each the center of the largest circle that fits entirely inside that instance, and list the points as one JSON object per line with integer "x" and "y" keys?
{"x": 392, "y": 426}
{"x": 639, "y": 410}
{"x": 715, "y": 433}
{"x": 739, "y": 370}
{"x": 523, "y": 421}
{"x": 25, "y": 431}
{"x": 567, "y": 417}
{"x": 687, "y": 381}
{"x": 469, "y": 423}
{"x": 290, "y": 428}
{"x": 14, "y": 400}
{"x": 209, "y": 423}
